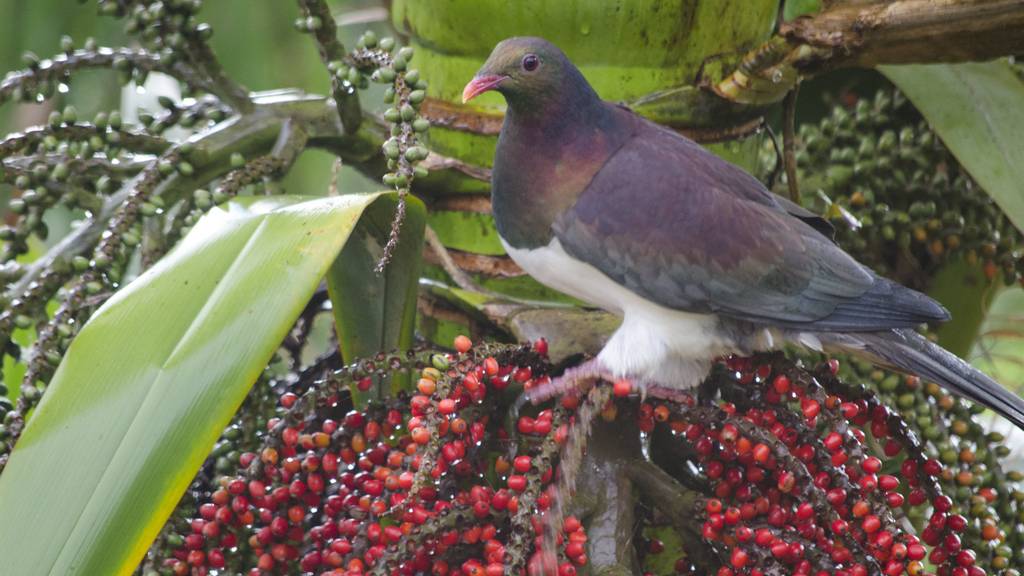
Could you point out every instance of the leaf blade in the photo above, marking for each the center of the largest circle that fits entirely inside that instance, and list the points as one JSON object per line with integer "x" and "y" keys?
{"x": 136, "y": 427}
{"x": 377, "y": 312}
{"x": 974, "y": 108}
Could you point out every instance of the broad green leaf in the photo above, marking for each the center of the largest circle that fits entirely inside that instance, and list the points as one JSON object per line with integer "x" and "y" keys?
{"x": 377, "y": 312}
{"x": 967, "y": 294}
{"x": 976, "y": 110}
{"x": 153, "y": 378}
{"x": 999, "y": 350}
{"x": 795, "y": 8}
{"x": 466, "y": 231}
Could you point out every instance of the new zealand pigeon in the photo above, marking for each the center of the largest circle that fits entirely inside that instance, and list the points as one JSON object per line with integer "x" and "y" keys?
{"x": 696, "y": 255}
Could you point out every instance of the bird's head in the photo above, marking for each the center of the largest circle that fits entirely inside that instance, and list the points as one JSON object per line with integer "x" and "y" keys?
{"x": 525, "y": 70}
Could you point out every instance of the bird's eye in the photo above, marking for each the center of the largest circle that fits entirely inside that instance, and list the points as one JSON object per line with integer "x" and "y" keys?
{"x": 530, "y": 62}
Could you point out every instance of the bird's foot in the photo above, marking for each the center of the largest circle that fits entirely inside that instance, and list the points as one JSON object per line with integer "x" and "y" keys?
{"x": 574, "y": 381}
{"x": 577, "y": 380}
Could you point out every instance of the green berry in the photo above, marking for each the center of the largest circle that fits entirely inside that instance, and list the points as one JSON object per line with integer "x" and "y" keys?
{"x": 383, "y": 75}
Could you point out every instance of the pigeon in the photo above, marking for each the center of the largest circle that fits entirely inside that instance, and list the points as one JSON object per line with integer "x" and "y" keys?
{"x": 696, "y": 256}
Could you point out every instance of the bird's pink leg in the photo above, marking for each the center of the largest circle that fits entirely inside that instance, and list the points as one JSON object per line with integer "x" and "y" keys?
{"x": 573, "y": 381}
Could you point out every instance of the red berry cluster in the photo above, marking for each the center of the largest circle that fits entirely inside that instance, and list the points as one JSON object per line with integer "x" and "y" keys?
{"x": 401, "y": 488}
{"x": 797, "y": 489}
{"x": 780, "y": 470}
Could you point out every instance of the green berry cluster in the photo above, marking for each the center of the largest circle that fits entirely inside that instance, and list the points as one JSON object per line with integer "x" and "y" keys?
{"x": 169, "y": 26}
{"x": 378, "y": 61}
{"x": 190, "y": 114}
{"x": 879, "y": 162}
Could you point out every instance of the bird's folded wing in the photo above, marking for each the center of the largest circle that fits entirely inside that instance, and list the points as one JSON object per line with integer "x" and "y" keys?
{"x": 680, "y": 227}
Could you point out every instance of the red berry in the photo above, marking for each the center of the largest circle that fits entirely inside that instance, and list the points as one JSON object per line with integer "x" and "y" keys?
{"x": 786, "y": 482}
{"x": 463, "y": 344}
{"x": 888, "y": 482}
{"x": 805, "y": 511}
{"x": 894, "y": 499}
{"x": 571, "y": 524}
{"x": 932, "y": 467}
{"x": 810, "y": 408}
{"x": 761, "y": 453}
{"x": 517, "y": 482}
{"x": 739, "y": 558}
{"x": 522, "y": 464}
{"x": 622, "y": 388}
{"x": 525, "y": 425}
{"x": 540, "y": 346}
{"x": 833, "y": 366}
{"x": 942, "y": 503}
{"x": 871, "y": 524}
{"x": 871, "y": 465}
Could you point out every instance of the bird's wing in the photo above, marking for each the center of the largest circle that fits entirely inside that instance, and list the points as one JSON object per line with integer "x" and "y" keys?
{"x": 683, "y": 228}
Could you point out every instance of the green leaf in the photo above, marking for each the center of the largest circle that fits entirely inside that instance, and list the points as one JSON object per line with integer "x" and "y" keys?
{"x": 377, "y": 312}
{"x": 795, "y": 8}
{"x": 152, "y": 379}
{"x": 466, "y": 231}
{"x": 976, "y": 110}
{"x": 967, "y": 294}
{"x": 999, "y": 350}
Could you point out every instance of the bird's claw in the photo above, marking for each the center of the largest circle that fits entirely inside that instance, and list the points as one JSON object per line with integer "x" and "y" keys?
{"x": 574, "y": 379}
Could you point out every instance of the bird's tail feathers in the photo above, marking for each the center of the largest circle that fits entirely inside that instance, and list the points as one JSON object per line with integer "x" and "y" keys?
{"x": 909, "y": 352}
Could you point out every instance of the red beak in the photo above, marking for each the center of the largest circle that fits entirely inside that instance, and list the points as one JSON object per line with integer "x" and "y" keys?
{"x": 481, "y": 84}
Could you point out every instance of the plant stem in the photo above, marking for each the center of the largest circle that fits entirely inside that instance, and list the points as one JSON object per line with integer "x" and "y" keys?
{"x": 331, "y": 50}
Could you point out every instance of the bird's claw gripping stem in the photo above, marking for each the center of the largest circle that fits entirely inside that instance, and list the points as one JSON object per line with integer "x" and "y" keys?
{"x": 575, "y": 379}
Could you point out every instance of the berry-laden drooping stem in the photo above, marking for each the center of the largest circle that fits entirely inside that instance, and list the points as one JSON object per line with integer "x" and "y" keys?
{"x": 405, "y": 93}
